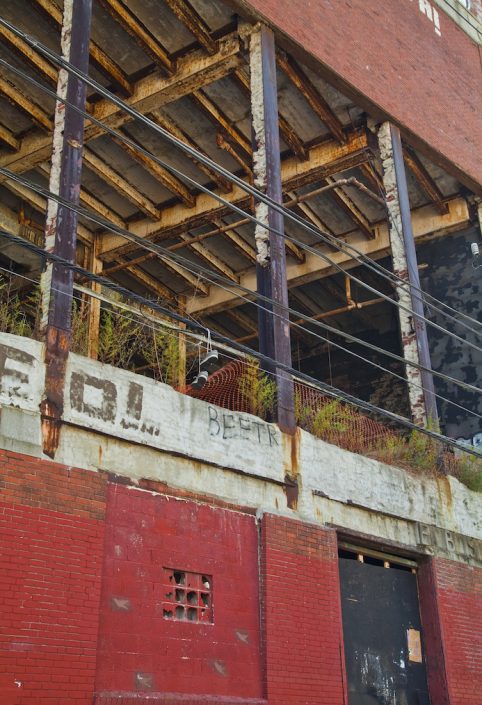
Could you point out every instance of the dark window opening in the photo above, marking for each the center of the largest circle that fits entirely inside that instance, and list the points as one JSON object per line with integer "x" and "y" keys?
{"x": 191, "y": 600}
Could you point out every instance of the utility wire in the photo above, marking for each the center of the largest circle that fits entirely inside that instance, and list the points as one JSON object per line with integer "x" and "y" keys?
{"x": 327, "y": 389}
{"x": 329, "y": 341}
{"x": 212, "y": 164}
{"x": 218, "y": 279}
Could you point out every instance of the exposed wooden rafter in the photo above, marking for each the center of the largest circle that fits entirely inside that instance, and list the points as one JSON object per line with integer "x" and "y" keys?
{"x": 324, "y": 160}
{"x": 102, "y": 61}
{"x": 140, "y": 33}
{"x": 424, "y": 179}
{"x": 8, "y": 138}
{"x": 316, "y": 101}
{"x": 27, "y": 106}
{"x": 341, "y": 197}
{"x": 220, "y": 120}
{"x": 193, "y": 21}
{"x": 31, "y": 56}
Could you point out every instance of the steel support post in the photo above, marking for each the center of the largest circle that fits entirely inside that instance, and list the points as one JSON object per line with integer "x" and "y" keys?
{"x": 61, "y": 223}
{"x": 274, "y": 329}
{"x": 404, "y": 258}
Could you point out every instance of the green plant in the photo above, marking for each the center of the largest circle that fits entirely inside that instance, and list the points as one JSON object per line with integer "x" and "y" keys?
{"x": 257, "y": 390}
{"x": 162, "y": 354}
{"x": 469, "y": 471}
{"x": 120, "y": 339}
{"x": 80, "y": 329}
{"x": 13, "y": 315}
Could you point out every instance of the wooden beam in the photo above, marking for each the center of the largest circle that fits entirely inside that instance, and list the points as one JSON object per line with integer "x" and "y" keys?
{"x": 9, "y": 139}
{"x": 310, "y": 214}
{"x": 239, "y": 242}
{"x": 26, "y": 52}
{"x": 168, "y": 180}
{"x": 323, "y": 160}
{"x": 93, "y": 318}
{"x": 31, "y": 109}
{"x": 193, "y": 21}
{"x": 215, "y": 261}
{"x": 343, "y": 199}
{"x": 288, "y": 133}
{"x": 89, "y": 200}
{"x": 108, "y": 174}
{"x": 426, "y": 225}
{"x": 317, "y": 103}
{"x": 243, "y": 320}
{"x": 168, "y": 124}
{"x": 140, "y": 33}
{"x": 146, "y": 280}
{"x": 103, "y": 62}
{"x": 220, "y": 120}
{"x": 150, "y": 93}
{"x": 424, "y": 179}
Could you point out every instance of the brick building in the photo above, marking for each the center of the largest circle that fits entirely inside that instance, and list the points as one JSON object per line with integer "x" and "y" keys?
{"x": 168, "y": 547}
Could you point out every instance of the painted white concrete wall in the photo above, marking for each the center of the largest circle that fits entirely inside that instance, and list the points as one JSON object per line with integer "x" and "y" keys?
{"x": 126, "y": 424}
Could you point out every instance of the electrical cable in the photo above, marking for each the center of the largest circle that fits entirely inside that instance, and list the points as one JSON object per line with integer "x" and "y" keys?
{"x": 328, "y": 389}
{"x": 208, "y": 162}
{"x": 216, "y": 279}
{"x": 330, "y": 343}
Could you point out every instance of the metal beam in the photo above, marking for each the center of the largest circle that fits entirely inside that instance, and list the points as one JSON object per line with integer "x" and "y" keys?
{"x": 61, "y": 224}
{"x": 413, "y": 276}
{"x": 144, "y": 38}
{"x": 426, "y": 225}
{"x": 102, "y": 61}
{"x": 150, "y": 93}
{"x": 316, "y": 102}
{"x": 273, "y": 328}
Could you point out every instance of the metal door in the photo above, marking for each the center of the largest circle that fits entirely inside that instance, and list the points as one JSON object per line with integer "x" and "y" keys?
{"x": 384, "y": 656}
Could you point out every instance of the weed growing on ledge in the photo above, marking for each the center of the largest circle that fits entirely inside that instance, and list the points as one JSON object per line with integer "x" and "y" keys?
{"x": 258, "y": 390}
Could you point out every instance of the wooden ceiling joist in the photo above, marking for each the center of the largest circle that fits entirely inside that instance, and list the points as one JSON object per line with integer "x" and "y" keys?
{"x": 168, "y": 124}
{"x": 219, "y": 119}
{"x": 32, "y": 57}
{"x": 168, "y": 180}
{"x": 314, "y": 99}
{"x": 211, "y": 258}
{"x": 27, "y": 106}
{"x": 193, "y": 21}
{"x": 425, "y": 225}
{"x": 147, "y": 280}
{"x": 239, "y": 242}
{"x": 101, "y": 60}
{"x": 194, "y": 71}
{"x": 343, "y": 199}
{"x": 288, "y": 133}
{"x": 114, "y": 179}
{"x": 424, "y": 179}
{"x": 324, "y": 160}
{"x": 8, "y": 138}
{"x": 139, "y": 32}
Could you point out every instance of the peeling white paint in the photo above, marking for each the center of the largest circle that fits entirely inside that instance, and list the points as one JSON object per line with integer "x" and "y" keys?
{"x": 400, "y": 268}
{"x": 261, "y": 234}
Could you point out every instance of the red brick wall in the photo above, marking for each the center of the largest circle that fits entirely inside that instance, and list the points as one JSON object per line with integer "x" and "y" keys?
{"x": 389, "y": 53}
{"x": 459, "y": 598}
{"x": 51, "y": 542}
{"x": 144, "y": 534}
{"x": 302, "y": 614}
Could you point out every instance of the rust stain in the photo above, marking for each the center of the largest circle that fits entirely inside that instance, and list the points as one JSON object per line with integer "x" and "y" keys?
{"x": 52, "y": 407}
{"x": 291, "y": 465}
{"x": 445, "y": 493}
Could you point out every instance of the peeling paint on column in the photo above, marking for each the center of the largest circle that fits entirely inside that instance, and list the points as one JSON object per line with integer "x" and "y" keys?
{"x": 399, "y": 262}
{"x": 259, "y": 154}
{"x": 55, "y": 163}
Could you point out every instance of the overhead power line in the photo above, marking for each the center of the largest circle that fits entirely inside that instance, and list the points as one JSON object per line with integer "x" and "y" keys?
{"x": 239, "y": 182}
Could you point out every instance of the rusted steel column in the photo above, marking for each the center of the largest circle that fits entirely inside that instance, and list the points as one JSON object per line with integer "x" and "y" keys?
{"x": 61, "y": 223}
{"x": 274, "y": 330}
{"x": 404, "y": 259}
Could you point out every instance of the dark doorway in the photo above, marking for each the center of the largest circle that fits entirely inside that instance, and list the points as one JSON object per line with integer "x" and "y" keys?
{"x": 384, "y": 656}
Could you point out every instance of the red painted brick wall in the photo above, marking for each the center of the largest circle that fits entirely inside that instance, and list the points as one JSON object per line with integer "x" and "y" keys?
{"x": 459, "y": 598}
{"x": 51, "y": 542}
{"x": 302, "y": 614}
{"x": 389, "y": 53}
{"x": 144, "y": 534}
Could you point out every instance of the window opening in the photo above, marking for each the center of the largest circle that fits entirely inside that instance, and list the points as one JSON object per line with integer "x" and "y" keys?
{"x": 187, "y": 596}
{"x": 374, "y": 557}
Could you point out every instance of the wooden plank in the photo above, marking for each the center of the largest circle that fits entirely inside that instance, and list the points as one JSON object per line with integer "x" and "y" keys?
{"x": 424, "y": 179}
{"x": 31, "y": 109}
{"x": 193, "y": 21}
{"x": 343, "y": 199}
